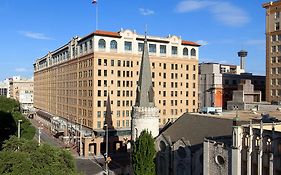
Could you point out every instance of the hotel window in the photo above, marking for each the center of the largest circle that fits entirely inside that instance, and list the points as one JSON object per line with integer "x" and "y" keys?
{"x": 193, "y": 52}
{"x": 112, "y": 62}
{"x": 174, "y": 50}
{"x": 128, "y": 45}
{"x": 273, "y": 49}
{"x": 152, "y": 48}
{"x": 277, "y": 15}
{"x": 99, "y": 62}
{"x": 99, "y": 72}
{"x": 273, "y": 70}
{"x": 273, "y": 81}
{"x": 278, "y": 70}
{"x": 162, "y": 49}
{"x": 90, "y": 44}
{"x": 99, "y": 104}
{"x": 99, "y": 124}
{"x": 194, "y": 67}
{"x": 279, "y": 48}
{"x": 99, "y": 82}
{"x": 99, "y": 114}
{"x": 279, "y": 37}
{"x": 85, "y": 47}
{"x": 273, "y": 37}
{"x": 277, "y": 26}
{"x": 185, "y": 52}
{"x": 102, "y": 44}
{"x": 140, "y": 47}
{"x": 105, "y": 73}
{"x": 273, "y": 60}
{"x": 127, "y": 122}
{"x": 113, "y": 45}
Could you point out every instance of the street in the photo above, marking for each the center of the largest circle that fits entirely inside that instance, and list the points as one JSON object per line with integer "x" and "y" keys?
{"x": 86, "y": 166}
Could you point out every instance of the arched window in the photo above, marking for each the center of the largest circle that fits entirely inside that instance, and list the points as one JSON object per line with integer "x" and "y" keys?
{"x": 185, "y": 52}
{"x": 113, "y": 45}
{"x": 102, "y": 44}
{"x": 193, "y": 52}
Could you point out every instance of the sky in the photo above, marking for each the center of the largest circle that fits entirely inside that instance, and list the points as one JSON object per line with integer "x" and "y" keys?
{"x": 30, "y": 29}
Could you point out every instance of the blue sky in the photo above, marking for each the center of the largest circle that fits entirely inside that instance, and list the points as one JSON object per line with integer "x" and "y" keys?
{"x": 31, "y": 28}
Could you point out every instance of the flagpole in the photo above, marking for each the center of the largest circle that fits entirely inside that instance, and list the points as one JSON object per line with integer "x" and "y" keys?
{"x": 97, "y": 16}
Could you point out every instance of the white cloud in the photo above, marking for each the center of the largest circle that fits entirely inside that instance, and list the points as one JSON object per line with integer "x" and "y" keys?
{"x": 229, "y": 14}
{"x": 202, "y": 42}
{"x": 146, "y": 12}
{"x": 191, "y": 5}
{"x": 35, "y": 35}
{"x": 223, "y": 12}
{"x": 21, "y": 69}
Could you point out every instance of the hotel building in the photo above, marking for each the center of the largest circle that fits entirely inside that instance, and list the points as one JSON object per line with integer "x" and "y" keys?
{"x": 73, "y": 81}
{"x": 273, "y": 51}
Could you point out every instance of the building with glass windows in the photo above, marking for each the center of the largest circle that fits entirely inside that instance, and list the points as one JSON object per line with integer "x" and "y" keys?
{"x": 72, "y": 82}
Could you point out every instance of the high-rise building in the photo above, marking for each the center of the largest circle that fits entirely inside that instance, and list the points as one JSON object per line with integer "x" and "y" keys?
{"x": 73, "y": 81}
{"x": 273, "y": 51}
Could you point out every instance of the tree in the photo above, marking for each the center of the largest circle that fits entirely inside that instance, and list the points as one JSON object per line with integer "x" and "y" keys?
{"x": 21, "y": 156}
{"x": 9, "y": 116}
{"x": 144, "y": 154}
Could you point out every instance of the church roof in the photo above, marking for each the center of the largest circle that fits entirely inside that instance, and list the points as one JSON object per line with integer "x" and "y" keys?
{"x": 145, "y": 93}
{"x": 194, "y": 128}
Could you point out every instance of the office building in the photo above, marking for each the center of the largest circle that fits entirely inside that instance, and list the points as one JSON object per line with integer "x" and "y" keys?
{"x": 218, "y": 81}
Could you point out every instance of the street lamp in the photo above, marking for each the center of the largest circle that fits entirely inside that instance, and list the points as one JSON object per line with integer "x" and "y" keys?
{"x": 106, "y": 149}
{"x": 19, "y": 128}
{"x": 80, "y": 140}
{"x": 39, "y": 134}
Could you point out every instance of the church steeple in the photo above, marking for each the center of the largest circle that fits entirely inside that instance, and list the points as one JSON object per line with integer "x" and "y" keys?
{"x": 145, "y": 93}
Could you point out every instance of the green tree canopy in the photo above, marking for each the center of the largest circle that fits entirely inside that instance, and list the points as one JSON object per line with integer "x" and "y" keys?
{"x": 9, "y": 116}
{"x": 32, "y": 159}
{"x": 144, "y": 154}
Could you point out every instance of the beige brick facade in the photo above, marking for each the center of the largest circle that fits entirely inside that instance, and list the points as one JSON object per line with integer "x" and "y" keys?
{"x": 273, "y": 51}
{"x": 74, "y": 80}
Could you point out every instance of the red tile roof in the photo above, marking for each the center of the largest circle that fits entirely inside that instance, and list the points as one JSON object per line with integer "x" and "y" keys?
{"x": 116, "y": 34}
{"x": 106, "y": 33}
{"x": 189, "y": 43}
